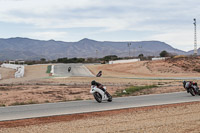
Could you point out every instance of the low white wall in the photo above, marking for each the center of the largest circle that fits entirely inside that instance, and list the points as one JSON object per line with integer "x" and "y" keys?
{"x": 123, "y": 61}
{"x": 19, "y": 69}
{"x": 12, "y": 66}
{"x": 160, "y": 58}
{"x": 52, "y": 69}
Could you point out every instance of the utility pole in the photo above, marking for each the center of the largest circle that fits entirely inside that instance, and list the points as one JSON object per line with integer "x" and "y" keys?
{"x": 140, "y": 49}
{"x": 195, "y": 37}
{"x": 96, "y": 53}
{"x": 129, "y": 44}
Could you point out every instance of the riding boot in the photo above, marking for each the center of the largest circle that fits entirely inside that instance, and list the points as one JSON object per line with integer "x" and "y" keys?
{"x": 107, "y": 94}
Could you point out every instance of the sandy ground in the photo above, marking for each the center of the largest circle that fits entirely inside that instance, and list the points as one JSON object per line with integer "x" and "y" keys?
{"x": 7, "y": 73}
{"x": 179, "y": 118}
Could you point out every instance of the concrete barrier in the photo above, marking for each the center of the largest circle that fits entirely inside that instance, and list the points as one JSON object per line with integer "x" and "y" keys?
{"x": 19, "y": 69}
{"x": 20, "y": 72}
{"x": 12, "y": 66}
{"x": 160, "y": 58}
{"x": 123, "y": 61}
{"x": 52, "y": 70}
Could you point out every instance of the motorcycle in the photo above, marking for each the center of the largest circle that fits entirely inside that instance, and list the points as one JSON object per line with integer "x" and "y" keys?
{"x": 191, "y": 88}
{"x": 99, "y": 74}
{"x": 100, "y": 95}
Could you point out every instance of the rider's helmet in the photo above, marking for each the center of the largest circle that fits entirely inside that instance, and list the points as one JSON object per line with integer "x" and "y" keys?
{"x": 93, "y": 82}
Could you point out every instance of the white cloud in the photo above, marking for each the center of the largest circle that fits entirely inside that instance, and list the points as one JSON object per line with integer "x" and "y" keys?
{"x": 48, "y": 35}
{"x": 183, "y": 40}
{"x": 169, "y": 21}
{"x": 98, "y": 13}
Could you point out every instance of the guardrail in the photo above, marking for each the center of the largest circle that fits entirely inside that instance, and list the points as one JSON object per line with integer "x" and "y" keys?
{"x": 19, "y": 69}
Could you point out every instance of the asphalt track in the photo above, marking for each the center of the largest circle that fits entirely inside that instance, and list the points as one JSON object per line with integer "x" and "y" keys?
{"x": 77, "y": 69}
{"x": 74, "y": 107}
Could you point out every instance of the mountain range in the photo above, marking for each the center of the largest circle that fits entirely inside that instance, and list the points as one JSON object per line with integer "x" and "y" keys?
{"x": 30, "y": 49}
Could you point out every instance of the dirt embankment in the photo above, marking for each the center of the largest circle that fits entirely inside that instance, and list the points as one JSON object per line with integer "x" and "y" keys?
{"x": 190, "y": 64}
{"x": 172, "y": 67}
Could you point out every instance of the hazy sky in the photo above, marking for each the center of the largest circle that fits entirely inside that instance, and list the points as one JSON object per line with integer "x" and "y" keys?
{"x": 170, "y": 21}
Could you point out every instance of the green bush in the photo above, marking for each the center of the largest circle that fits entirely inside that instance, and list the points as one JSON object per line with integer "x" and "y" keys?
{"x": 133, "y": 89}
{"x": 2, "y": 105}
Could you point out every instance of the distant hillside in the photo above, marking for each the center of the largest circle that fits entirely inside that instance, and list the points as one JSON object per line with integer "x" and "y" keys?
{"x": 192, "y": 52}
{"x": 29, "y": 49}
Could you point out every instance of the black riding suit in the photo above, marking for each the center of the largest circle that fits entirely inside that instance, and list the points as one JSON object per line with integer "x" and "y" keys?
{"x": 100, "y": 86}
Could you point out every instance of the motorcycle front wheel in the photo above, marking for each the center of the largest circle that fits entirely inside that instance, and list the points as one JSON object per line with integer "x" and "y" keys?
{"x": 97, "y": 97}
{"x": 192, "y": 92}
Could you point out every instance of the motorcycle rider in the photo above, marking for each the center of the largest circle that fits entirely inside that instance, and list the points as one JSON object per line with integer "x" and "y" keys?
{"x": 188, "y": 84}
{"x": 100, "y": 86}
{"x": 99, "y": 74}
{"x": 99, "y": 91}
{"x": 69, "y": 69}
